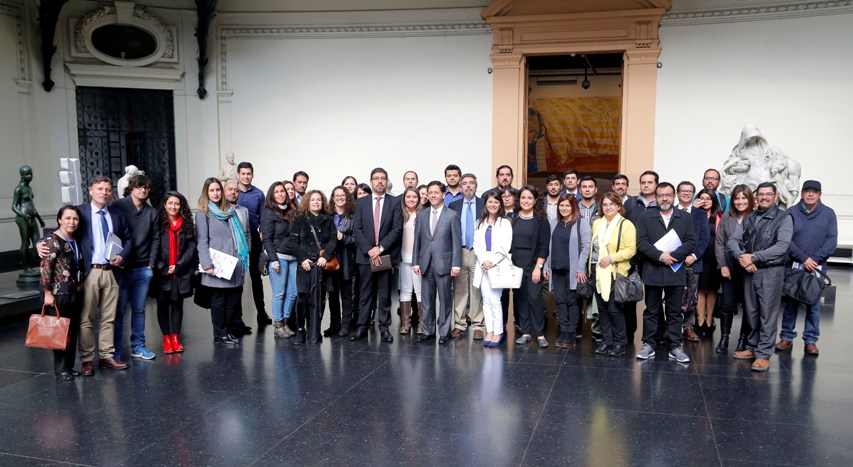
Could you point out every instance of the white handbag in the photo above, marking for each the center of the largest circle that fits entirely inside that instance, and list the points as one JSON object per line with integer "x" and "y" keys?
{"x": 505, "y": 275}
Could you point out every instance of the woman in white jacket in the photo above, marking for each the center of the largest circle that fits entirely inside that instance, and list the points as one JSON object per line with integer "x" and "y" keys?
{"x": 492, "y": 241}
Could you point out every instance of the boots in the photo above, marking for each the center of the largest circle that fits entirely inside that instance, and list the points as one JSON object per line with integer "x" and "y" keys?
{"x": 176, "y": 344}
{"x": 421, "y": 325}
{"x": 279, "y": 327}
{"x": 725, "y": 330}
{"x": 168, "y": 347}
{"x": 299, "y": 338}
{"x": 405, "y": 317}
{"x": 741, "y": 343}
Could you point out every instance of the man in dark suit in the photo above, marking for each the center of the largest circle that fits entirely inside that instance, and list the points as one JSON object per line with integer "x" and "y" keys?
{"x": 378, "y": 229}
{"x": 100, "y": 289}
{"x": 662, "y": 283}
{"x": 466, "y": 297}
{"x": 436, "y": 255}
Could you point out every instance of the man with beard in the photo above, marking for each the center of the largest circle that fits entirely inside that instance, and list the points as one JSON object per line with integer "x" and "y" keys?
{"x": 552, "y": 196}
{"x": 232, "y": 192}
{"x": 466, "y": 297}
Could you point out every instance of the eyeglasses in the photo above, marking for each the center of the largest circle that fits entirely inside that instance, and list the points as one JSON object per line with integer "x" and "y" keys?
{"x": 764, "y": 195}
{"x": 712, "y": 178}
{"x": 665, "y": 195}
{"x": 379, "y": 177}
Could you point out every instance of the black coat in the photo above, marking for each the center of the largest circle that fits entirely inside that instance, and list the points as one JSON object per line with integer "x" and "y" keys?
{"x": 304, "y": 246}
{"x": 346, "y": 248}
{"x": 650, "y": 230}
{"x": 390, "y": 228}
{"x": 187, "y": 263}
{"x": 276, "y": 233}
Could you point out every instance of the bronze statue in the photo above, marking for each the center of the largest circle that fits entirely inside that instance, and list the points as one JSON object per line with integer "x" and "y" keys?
{"x": 28, "y": 219}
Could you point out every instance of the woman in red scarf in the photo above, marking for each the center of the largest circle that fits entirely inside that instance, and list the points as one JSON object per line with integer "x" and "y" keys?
{"x": 176, "y": 262}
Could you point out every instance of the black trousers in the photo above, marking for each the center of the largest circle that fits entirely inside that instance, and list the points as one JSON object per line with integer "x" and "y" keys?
{"x": 665, "y": 300}
{"x": 70, "y": 306}
{"x": 532, "y": 309}
{"x": 382, "y": 282}
{"x": 629, "y": 312}
{"x": 255, "y": 274}
{"x": 224, "y": 307}
{"x": 341, "y": 305}
{"x": 611, "y": 317}
{"x": 505, "y": 306}
{"x": 568, "y": 311}
{"x": 732, "y": 296}
{"x": 170, "y": 315}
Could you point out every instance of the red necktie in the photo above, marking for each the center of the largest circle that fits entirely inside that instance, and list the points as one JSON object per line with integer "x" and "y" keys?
{"x": 376, "y": 213}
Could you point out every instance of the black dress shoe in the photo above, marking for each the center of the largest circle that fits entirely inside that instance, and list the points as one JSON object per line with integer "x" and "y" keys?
{"x": 443, "y": 340}
{"x": 344, "y": 332}
{"x": 264, "y": 319}
{"x": 360, "y": 334}
{"x": 425, "y": 337}
{"x": 226, "y": 340}
{"x": 64, "y": 376}
{"x": 75, "y": 372}
{"x": 299, "y": 338}
{"x": 233, "y": 337}
{"x": 387, "y": 337}
{"x": 602, "y": 349}
{"x": 617, "y": 350}
{"x": 331, "y": 332}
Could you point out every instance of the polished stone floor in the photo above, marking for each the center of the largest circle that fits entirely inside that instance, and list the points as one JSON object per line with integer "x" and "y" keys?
{"x": 267, "y": 402}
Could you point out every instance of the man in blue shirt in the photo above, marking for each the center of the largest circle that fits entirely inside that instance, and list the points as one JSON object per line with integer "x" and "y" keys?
{"x": 466, "y": 298}
{"x": 252, "y": 198}
{"x": 452, "y": 174}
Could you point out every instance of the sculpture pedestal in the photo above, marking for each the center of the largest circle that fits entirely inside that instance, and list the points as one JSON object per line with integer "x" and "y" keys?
{"x": 29, "y": 278}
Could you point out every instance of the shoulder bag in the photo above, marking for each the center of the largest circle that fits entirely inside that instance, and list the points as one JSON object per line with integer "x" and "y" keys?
{"x": 628, "y": 288}
{"x": 804, "y": 286}
{"x": 332, "y": 264}
{"x": 505, "y": 275}
{"x": 48, "y": 332}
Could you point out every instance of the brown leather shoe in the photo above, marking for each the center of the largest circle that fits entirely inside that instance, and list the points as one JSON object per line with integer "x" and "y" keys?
{"x": 478, "y": 335}
{"x": 690, "y": 334}
{"x": 784, "y": 345}
{"x": 760, "y": 364}
{"x": 86, "y": 369}
{"x": 744, "y": 355}
{"x": 457, "y": 332}
{"x": 112, "y": 364}
{"x": 812, "y": 349}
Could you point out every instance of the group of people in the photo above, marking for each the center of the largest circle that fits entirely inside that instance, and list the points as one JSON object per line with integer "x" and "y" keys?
{"x": 442, "y": 247}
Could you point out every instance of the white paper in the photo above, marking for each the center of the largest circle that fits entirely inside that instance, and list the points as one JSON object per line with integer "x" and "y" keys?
{"x": 223, "y": 264}
{"x": 669, "y": 243}
{"x": 114, "y": 246}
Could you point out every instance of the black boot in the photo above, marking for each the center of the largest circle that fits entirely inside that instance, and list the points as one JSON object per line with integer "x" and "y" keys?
{"x": 299, "y": 338}
{"x": 741, "y": 343}
{"x": 725, "y": 329}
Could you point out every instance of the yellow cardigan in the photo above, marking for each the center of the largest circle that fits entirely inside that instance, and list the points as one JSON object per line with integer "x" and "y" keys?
{"x": 627, "y": 247}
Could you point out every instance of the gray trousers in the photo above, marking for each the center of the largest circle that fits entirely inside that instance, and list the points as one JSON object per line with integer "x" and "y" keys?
{"x": 763, "y": 304}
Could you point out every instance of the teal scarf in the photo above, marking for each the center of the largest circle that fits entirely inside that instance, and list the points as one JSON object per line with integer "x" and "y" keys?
{"x": 237, "y": 229}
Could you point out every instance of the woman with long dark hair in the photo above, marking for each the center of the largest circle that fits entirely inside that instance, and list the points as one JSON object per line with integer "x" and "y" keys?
{"x": 742, "y": 203}
{"x": 492, "y": 243}
{"x": 276, "y": 220}
{"x": 341, "y": 305}
{"x": 350, "y": 183}
{"x": 531, "y": 235}
{"x": 176, "y": 262}
{"x": 709, "y": 279}
{"x": 218, "y": 227}
{"x": 62, "y": 286}
{"x": 410, "y": 283}
{"x": 567, "y": 265}
{"x": 313, "y": 240}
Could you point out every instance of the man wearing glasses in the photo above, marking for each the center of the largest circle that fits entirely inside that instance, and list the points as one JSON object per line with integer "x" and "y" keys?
{"x": 711, "y": 181}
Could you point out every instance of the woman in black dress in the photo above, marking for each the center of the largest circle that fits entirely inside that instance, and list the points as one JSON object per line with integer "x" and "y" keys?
{"x": 709, "y": 278}
{"x": 531, "y": 235}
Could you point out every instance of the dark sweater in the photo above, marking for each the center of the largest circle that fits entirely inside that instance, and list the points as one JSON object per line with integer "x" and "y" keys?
{"x": 530, "y": 240}
{"x": 144, "y": 229}
{"x": 560, "y": 241}
{"x": 253, "y": 200}
{"x": 815, "y": 233}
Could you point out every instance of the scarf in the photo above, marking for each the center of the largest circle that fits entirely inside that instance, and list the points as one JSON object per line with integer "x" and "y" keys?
{"x": 174, "y": 243}
{"x": 601, "y": 283}
{"x": 236, "y": 231}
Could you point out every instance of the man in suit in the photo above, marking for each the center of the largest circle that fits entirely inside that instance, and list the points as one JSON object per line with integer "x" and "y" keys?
{"x": 662, "y": 283}
{"x": 466, "y": 297}
{"x": 100, "y": 288}
{"x": 436, "y": 255}
{"x": 378, "y": 229}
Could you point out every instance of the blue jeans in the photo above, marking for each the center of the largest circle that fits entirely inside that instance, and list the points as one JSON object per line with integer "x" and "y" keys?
{"x": 811, "y": 333}
{"x": 133, "y": 289}
{"x": 283, "y": 284}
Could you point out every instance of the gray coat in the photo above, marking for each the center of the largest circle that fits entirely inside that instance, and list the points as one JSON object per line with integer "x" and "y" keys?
{"x": 214, "y": 233}
{"x": 579, "y": 259}
{"x": 725, "y": 231}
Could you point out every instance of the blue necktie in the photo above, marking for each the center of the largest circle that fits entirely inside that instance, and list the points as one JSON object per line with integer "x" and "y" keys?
{"x": 105, "y": 229}
{"x": 469, "y": 222}
{"x": 489, "y": 238}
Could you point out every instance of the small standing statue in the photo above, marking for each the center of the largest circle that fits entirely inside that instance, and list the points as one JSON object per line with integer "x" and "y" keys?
{"x": 129, "y": 172}
{"x": 228, "y": 171}
{"x": 28, "y": 220}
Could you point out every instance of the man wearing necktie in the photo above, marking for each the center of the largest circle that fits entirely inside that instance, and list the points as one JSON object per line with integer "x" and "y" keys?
{"x": 378, "y": 230}
{"x": 436, "y": 257}
{"x": 466, "y": 297}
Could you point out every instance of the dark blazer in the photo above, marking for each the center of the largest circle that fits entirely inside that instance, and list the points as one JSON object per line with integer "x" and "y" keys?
{"x": 84, "y": 234}
{"x": 186, "y": 265}
{"x": 443, "y": 250}
{"x": 703, "y": 236}
{"x": 652, "y": 229}
{"x": 390, "y": 228}
{"x": 276, "y": 233}
{"x": 304, "y": 246}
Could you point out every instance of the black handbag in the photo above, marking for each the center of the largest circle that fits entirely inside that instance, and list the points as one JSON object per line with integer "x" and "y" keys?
{"x": 201, "y": 293}
{"x": 628, "y": 288}
{"x": 583, "y": 289}
{"x": 804, "y": 287}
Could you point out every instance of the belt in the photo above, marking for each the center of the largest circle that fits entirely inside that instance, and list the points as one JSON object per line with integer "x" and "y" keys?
{"x": 105, "y": 267}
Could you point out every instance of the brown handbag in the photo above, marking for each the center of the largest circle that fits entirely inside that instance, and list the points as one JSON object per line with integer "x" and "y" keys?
{"x": 48, "y": 332}
{"x": 332, "y": 264}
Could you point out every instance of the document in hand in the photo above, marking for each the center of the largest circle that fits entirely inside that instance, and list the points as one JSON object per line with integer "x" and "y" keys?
{"x": 669, "y": 243}
{"x": 223, "y": 264}
{"x": 114, "y": 246}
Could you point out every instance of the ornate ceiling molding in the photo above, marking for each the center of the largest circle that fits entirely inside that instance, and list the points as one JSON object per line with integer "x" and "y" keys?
{"x": 757, "y": 13}
{"x": 225, "y": 33}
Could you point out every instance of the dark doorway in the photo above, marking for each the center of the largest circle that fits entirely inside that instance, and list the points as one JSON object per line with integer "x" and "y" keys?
{"x": 118, "y": 127}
